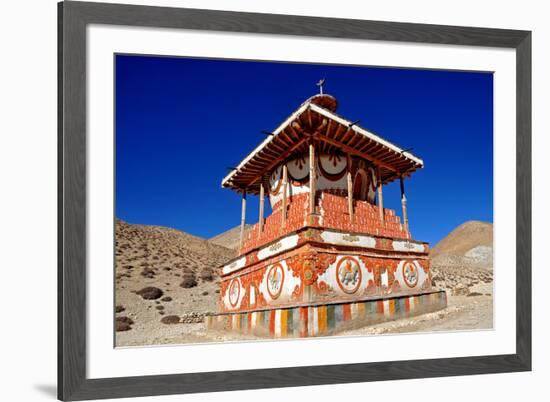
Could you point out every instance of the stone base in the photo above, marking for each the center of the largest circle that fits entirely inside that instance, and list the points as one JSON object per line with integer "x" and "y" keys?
{"x": 326, "y": 319}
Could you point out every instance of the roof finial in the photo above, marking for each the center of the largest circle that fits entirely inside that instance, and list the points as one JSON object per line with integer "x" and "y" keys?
{"x": 320, "y": 85}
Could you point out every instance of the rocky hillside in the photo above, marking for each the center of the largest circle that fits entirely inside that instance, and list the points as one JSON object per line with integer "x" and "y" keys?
{"x": 230, "y": 238}
{"x": 463, "y": 260}
{"x": 158, "y": 243}
{"x": 163, "y": 276}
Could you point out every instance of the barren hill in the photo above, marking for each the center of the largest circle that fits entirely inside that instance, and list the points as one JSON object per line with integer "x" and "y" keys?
{"x": 230, "y": 238}
{"x": 463, "y": 260}
{"x": 189, "y": 250}
{"x": 464, "y": 238}
{"x": 162, "y": 273}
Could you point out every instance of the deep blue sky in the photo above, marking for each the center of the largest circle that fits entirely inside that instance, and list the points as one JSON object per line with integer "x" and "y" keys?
{"x": 180, "y": 122}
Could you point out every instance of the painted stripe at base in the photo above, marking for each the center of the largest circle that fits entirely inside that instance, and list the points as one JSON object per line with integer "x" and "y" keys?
{"x": 323, "y": 319}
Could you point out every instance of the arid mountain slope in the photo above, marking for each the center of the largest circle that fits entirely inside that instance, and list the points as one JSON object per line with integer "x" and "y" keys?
{"x": 464, "y": 238}
{"x": 463, "y": 261}
{"x": 189, "y": 250}
{"x": 160, "y": 273}
{"x": 230, "y": 238}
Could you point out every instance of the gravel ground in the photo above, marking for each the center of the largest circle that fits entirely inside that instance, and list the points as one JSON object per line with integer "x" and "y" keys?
{"x": 462, "y": 313}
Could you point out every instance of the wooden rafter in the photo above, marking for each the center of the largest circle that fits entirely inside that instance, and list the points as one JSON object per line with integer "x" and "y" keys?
{"x": 334, "y": 134}
{"x": 282, "y": 157}
{"x": 353, "y": 151}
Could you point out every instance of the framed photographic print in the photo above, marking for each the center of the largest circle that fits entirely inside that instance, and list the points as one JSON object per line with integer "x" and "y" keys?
{"x": 256, "y": 201}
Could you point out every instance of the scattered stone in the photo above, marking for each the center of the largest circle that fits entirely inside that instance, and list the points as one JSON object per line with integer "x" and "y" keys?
{"x": 474, "y": 294}
{"x": 192, "y": 318}
{"x": 170, "y": 319}
{"x": 460, "y": 290}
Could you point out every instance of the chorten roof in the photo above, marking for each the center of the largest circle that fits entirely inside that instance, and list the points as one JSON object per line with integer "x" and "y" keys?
{"x": 316, "y": 120}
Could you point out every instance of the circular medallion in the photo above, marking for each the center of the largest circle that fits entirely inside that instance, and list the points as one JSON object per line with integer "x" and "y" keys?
{"x": 275, "y": 279}
{"x": 348, "y": 275}
{"x": 410, "y": 274}
{"x": 234, "y": 292}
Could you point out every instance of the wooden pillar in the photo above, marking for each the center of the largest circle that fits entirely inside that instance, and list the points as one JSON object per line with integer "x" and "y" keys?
{"x": 380, "y": 199}
{"x": 350, "y": 197}
{"x": 311, "y": 178}
{"x": 404, "y": 205}
{"x": 261, "y": 213}
{"x": 285, "y": 191}
{"x": 243, "y": 219}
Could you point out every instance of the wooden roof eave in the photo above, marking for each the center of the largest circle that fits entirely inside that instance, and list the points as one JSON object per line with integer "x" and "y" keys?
{"x": 396, "y": 160}
{"x": 226, "y": 180}
{"x": 365, "y": 133}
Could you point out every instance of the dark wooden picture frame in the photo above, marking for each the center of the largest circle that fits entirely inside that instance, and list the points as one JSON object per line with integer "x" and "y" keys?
{"x": 73, "y": 18}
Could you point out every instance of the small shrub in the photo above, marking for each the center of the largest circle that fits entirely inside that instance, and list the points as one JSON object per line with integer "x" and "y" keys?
{"x": 148, "y": 273}
{"x": 166, "y": 299}
{"x": 207, "y": 274}
{"x": 189, "y": 280}
{"x": 119, "y": 309}
{"x": 123, "y": 324}
{"x": 150, "y": 293}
